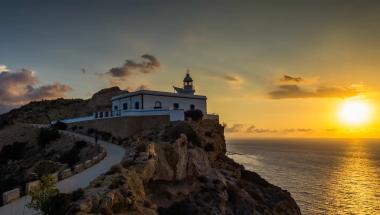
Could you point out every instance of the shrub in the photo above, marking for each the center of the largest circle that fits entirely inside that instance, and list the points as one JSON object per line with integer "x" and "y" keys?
{"x": 46, "y": 135}
{"x": 46, "y": 167}
{"x": 59, "y": 125}
{"x": 175, "y": 132}
{"x": 90, "y": 131}
{"x": 117, "y": 168}
{"x": 59, "y": 204}
{"x": 195, "y": 115}
{"x": 70, "y": 157}
{"x": 42, "y": 197}
{"x": 15, "y": 151}
{"x": 77, "y": 194}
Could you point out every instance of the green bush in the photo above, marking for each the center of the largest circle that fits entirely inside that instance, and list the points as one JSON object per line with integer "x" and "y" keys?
{"x": 42, "y": 197}
{"x": 195, "y": 115}
{"x": 174, "y": 132}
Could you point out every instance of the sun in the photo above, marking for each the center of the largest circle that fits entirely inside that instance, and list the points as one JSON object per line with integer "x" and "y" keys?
{"x": 355, "y": 112}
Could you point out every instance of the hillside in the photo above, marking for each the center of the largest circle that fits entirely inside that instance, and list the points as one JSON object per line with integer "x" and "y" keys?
{"x": 44, "y": 111}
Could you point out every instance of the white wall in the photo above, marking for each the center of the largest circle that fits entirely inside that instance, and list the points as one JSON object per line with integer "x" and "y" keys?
{"x": 130, "y": 101}
{"x": 174, "y": 115}
{"x": 166, "y": 101}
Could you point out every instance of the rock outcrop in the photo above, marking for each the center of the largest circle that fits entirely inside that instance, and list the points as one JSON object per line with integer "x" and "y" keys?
{"x": 182, "y": 169}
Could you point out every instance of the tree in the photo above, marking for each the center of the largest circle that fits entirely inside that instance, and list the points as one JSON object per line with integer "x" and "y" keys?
{"x": 195, "y": 115}
{"x": 43, "y": 195}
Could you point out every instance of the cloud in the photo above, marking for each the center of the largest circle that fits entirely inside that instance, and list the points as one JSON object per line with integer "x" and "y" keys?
{"x": 19, "y": 87}
{"x": 231, "y": 78}
{"x": 140, "y": 87}
{"x": 234, "y": 128}
{"x": 294, "y": 91}
{"x": 251, "y": 129}
{"x": 150, "y": 65}
{"x": 264, "y": 130}
{"x": 300, "y": 130}
{"x": 287, "y": 78}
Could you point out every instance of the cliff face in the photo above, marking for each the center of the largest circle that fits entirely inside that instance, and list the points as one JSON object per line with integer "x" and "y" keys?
{"x": 40, "y": 112}
{"x": 182, "y": 169}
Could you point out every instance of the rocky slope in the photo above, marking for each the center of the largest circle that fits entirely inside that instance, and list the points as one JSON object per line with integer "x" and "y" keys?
{"x": 182, "y": 169}
{"x": 48, "y": 110}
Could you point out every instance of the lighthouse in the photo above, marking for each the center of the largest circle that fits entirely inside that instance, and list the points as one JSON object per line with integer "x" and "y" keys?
{"x": 188, "y": 87}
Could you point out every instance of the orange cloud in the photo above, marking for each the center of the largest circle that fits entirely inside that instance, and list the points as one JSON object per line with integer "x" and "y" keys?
{"x": 20, "y": 87}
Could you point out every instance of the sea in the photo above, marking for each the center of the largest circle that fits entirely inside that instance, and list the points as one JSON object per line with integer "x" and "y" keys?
{"x": 324, "y": 176}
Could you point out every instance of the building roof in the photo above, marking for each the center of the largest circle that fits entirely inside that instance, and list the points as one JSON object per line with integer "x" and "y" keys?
{"x": 158, "y": 93}
{"x": 187, "y": 78}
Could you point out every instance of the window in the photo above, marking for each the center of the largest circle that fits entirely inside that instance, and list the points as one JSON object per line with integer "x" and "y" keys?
{"x": 192, "y": 107}
{"x": 125, "y": 106}
{"x": 175, "y": 106}
{"x": 101, "y": 115}
{"x": 137, "y": 105}
{"x": 157, "y": 105}
{"x": 106, "y": 114}
{"x": 96, "y": 115}
{"x": 115, "y": 107}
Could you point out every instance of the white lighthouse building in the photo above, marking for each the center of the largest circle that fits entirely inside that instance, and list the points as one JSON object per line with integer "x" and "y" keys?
{"x": 155, "y": 101}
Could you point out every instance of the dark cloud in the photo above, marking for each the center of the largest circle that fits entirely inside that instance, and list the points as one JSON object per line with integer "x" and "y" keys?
{"x": 231, "y": 78}
{"x": 251, "y": 129}
{"x": 20, "y": 87}
{"x": 300, "y": 130}
{"x": 234, "y": 128}
{"x": 150, "y": 64}
{"x": 140, "y": 87}
{"x": 294, "y": 91}
{"x": 263, "y": 130}
{"x": 287, "y": 78}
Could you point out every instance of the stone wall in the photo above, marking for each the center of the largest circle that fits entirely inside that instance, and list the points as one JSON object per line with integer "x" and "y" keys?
{"x": 12, "y": 195}
{"x": 124, "y": 126}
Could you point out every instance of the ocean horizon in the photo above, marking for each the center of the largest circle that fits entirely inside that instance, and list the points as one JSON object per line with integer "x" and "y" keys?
{"x": 323, "y": 175}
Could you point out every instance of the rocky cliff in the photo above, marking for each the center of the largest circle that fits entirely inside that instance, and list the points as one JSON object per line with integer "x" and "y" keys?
{"x": 182, "y": 169}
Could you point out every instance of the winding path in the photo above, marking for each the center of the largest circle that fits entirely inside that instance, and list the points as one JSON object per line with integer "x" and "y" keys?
{"x": 114, "y": 156}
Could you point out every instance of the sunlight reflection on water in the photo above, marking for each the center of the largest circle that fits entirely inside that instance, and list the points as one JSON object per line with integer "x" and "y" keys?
{"x": 325, "y": 178}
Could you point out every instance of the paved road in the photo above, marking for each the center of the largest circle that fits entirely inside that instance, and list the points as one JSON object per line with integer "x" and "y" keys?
{"x": 115, "y": 154}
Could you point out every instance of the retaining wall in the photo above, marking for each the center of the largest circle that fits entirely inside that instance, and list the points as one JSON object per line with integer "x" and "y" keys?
{"x": 16, "y": 193}
{"x": 123, "y": 127}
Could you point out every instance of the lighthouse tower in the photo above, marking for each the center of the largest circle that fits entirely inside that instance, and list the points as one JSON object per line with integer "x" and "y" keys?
{"x": 188, "y": 87}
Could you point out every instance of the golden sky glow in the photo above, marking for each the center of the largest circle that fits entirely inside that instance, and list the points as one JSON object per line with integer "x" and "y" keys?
{"x": 269, "y": 68}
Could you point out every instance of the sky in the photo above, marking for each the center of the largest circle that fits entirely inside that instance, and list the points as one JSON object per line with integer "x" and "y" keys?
{"x": 268, "y": 68}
